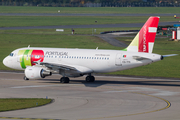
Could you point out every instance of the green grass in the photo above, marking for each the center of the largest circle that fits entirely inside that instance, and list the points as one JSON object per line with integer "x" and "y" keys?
{"x": 169, "y": 67}
{"x": 78, "y": 31}
{"x": 110, "y": 10}
{"x": 12, "y": 21}
{"x": 9, "y": 104}
{"x": 13, "y": 39}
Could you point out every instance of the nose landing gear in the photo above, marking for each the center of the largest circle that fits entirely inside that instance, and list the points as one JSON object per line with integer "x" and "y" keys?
{"x": 25, "y": 78}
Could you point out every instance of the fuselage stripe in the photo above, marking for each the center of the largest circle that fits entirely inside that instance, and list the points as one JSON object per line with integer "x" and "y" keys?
{"x": 24, "y": 60}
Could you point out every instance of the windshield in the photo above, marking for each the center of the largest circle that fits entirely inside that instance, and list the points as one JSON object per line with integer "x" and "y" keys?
{"x": 11, "y": 54}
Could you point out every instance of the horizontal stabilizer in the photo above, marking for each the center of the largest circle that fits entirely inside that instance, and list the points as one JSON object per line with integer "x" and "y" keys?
{"x": 163, "y": 56}
{"x": 169, "y": 55}
{"x": 139, "y": 58}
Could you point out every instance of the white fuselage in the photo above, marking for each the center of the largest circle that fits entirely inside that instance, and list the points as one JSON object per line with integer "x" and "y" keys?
{"x": 88, "y": 59}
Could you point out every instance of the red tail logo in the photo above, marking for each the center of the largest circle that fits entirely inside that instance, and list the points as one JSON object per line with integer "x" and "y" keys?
{"x": 144, "y": 40}
{"x": 147, "y": 35}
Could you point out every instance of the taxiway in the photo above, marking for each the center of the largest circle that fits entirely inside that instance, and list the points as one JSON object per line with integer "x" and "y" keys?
{"x": 109, "y": 98}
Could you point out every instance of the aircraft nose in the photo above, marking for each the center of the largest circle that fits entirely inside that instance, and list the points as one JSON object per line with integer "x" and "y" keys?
{"x": 10, "y": 62}
{"x": 5, "y": 61}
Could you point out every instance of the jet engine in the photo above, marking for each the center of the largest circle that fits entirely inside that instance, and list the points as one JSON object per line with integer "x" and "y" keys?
{"x": 36, "y": 72}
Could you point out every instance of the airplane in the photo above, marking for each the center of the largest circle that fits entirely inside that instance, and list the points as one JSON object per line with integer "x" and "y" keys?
{"x": 39, "y": 62}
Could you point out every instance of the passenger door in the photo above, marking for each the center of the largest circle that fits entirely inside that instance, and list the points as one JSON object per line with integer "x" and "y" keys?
{"x": 118, "y": 59}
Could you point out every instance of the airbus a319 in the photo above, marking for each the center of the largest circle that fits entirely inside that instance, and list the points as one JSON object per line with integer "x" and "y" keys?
{"x": 38, "y": 62}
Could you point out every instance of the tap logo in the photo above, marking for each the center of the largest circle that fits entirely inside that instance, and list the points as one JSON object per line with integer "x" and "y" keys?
{"x": 28, "y": 57}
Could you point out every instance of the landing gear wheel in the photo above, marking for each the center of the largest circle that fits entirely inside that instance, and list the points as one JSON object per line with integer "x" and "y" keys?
{"x": 90, "y": 79}
{"x": 25, "y": 78}
{"x": 64, "y": 80}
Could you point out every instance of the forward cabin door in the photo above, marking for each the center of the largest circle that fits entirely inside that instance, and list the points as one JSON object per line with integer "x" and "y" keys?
{"x": 118, "y": 59}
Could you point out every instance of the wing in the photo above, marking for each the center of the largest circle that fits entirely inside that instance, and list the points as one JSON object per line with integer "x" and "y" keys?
{"x": 55, "y": 66}
{"x": 67, "y": 70}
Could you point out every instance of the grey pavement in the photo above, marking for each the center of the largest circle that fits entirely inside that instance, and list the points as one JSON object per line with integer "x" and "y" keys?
{"x": 108, "y": 98}
{"x": 111, "y": 40}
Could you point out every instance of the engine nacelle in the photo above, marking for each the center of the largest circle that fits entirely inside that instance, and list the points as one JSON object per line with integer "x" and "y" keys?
{"x": 36, "y": 72}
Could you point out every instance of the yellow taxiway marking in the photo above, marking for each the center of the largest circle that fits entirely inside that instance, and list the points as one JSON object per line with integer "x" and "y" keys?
{"x": 167, "y": 106}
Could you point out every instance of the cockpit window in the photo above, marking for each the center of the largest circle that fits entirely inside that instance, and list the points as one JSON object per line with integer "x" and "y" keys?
{"x": 11, "y": 54}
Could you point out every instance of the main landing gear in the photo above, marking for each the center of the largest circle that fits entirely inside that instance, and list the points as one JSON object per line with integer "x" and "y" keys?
{"x": 64, "y": 80}
{"x": 89, "y": 78}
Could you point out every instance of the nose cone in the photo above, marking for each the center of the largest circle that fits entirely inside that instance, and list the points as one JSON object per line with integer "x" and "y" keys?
{"x": 11, "y": 62}
{"x": 5, "y": 61}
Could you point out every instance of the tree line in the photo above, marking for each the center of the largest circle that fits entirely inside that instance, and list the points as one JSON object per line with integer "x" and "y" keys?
{"x": 93, "y": 3}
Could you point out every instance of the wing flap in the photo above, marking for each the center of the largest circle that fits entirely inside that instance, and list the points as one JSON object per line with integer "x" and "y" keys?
{"x": 58, "y": 66}
{"x": 67, "y": 67}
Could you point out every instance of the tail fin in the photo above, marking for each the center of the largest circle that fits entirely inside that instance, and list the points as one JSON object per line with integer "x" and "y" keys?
{"x": 144, "y": 40}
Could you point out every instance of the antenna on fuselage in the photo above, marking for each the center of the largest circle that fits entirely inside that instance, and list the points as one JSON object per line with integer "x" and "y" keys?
{"x": 97, "y": 48}
{"x": 28, "y": 46}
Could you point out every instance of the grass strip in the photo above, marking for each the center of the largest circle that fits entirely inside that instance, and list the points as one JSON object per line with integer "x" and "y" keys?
{"x": 8, "y": 104}
{"x": 95, "y": 10}
{"x": 14, "y": 21}
{"x": 67, "y": 31}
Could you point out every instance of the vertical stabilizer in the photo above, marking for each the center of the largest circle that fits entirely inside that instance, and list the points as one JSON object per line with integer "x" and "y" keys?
{"x": 144, "y": 40}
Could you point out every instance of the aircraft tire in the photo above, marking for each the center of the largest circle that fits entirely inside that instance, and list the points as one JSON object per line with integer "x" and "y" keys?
{"x": 64, "y": 80}
{"x": 25, "y": 78}
{"x": 90, "y": 79}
